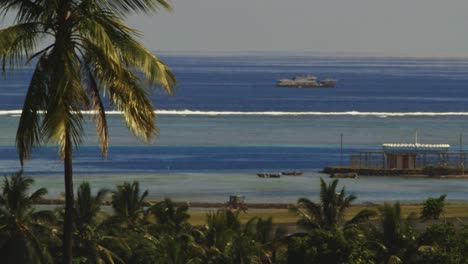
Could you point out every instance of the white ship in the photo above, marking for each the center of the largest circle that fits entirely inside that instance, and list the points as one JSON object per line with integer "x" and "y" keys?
{"x": 305, "y": 81}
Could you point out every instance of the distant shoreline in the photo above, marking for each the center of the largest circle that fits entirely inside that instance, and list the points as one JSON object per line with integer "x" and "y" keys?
{"x": 254, "y": 205}
{"x": 178, "y": 203}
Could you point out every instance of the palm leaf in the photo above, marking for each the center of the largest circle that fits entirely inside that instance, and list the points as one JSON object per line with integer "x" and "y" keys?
{"x": 18, "y": 41}
{"x": 25, "y": 10}
{"x": 29, "y": 131}
{"x": 126, "y": 7}
{"x": 100, "y": 115}
{"x": 361, "y": 216}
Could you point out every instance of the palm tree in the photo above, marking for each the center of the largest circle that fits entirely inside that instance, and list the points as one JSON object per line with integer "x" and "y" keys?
{"x": 330, "y": 236}
{"x": 397, "y": 237}
{"x": 269, "y": 236}
{"x": 24, "y": 232}
{"x": 227, "y": 241}
{"x": 179, "y": 249}
{"x": 220, "y": 227}
{"x": 329, "y": 213}
{"x": 169, "y": 218}
{"x": 89, "y": 51}
{"x": 91, "y": 241}
{"x": 128, "y": 205}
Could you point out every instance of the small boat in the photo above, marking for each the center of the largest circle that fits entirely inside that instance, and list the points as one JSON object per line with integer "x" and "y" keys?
{"x": 268, "y": 175}
{"x": 352, "y": 175}
{"x": 291, "y": 173}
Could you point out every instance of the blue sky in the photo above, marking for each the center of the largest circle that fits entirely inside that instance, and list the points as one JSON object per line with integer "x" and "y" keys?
{"x": 387, "y": 27}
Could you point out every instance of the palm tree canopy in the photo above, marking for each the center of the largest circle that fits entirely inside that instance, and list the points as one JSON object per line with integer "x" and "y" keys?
{"x": 329, "y": 213}
{"x": 24, "y": 232}
{"x": 127, "y": 201}
{"x": 169, "y": 217}
{"x": 15, "y": 199}
{"x": 87, "y": 206}
{"x": 89, "y": 52}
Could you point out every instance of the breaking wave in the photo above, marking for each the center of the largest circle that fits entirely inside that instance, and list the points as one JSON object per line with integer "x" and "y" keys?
{"x": 271, "y": 113}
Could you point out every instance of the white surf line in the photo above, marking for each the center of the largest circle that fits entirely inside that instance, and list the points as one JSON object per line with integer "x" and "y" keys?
{"x": 269, "y": 113}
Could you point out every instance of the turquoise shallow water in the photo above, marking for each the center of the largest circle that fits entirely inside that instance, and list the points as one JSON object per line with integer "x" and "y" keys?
{"x": 216, "y": 187}
{"x": 208, "y": 158}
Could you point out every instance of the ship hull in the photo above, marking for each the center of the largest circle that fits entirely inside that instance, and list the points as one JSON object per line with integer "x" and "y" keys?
{"x": 306, "y": 82}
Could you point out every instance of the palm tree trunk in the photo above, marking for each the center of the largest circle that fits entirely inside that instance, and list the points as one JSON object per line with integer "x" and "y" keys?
{"x": 68, "y": 223}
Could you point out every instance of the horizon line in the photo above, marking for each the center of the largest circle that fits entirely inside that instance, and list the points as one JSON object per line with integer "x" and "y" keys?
{"x": 313, "y": 53}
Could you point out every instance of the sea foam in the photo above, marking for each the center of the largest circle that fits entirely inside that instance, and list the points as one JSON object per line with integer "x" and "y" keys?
{"x": 269, "y": 113}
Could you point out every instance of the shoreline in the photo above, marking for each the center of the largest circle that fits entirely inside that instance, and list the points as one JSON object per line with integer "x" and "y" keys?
{"x": 254, "y": 205}
{"x": 178, "y": 203}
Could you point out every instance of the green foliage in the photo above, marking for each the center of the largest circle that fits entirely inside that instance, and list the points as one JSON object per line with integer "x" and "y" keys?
{"x": 396, "y": 239}
{"x": 300, "y": 251}
{"x": 128, "y": 206}
{"x": 433, "y": 207}
{"x": 329, "y": 213}
{"x": 92, "y": 244}
{"x": 26, "y": 235}
{"x": 169, "y": 218}
{"x": 441, "y": 243}
{"x": 162, "y": 234}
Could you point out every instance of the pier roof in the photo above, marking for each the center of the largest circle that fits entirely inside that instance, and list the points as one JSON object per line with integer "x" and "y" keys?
{"x": 415, "y": 147}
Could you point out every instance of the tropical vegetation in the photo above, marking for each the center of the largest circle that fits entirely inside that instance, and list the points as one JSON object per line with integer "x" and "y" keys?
{"x": 121, "y": 226}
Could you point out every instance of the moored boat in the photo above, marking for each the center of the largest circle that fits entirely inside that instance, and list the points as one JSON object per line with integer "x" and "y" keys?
{"x": 352, "y": 175}
{"x": 291, "y": 173}
{"x": 268, "y": 175}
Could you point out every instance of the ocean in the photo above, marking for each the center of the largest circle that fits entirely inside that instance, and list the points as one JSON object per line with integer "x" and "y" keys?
{"x": 228, "y": 121}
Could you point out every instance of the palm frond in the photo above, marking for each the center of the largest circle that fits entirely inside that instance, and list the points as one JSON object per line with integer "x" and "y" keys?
{"x": 132, "y": 100}
{"x": 18, "y": 42}
{"x": 126, "y": 7}
{"x": 100, "y": 116}
{"x": 135, "y": 55}
{"x": 67, "y": 100}
{"x": 125, "y": 92}
{"x": 25, "y": 10}
{"x": 46, "y": 216}
{"x": 29, "y": 131}
{"x": 38, "y": 195}
{"x": 361, "y": 216}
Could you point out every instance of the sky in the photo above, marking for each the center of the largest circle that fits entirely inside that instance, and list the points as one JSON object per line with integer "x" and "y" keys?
{"x": 387, "y": 27}
{"x": 429, "y": 28}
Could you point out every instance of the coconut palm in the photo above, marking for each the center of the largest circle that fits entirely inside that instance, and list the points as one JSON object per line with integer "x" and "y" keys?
{"x": 128, "y": 205}
{"x": 179, "y": 249}
{"x": 169, "y": 218}
{"x": 86, "y": 50}
{"x": 329, "y": 213}
{"x": 397, "y": 237}
{"x": 220, "y": 227}
{"x": 269, "y": 236}
{"x": 87, "y": 206}
{"x": 91, "y": 242}
{"x": 24, "y": 233}
{"x": 228, "y": 241}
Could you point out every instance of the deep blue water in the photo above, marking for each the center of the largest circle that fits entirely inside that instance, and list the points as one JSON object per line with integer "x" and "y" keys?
{"x": 176, "y": 158}
{"x": 247, "y": 83}
{"x": 429, "y": 93}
